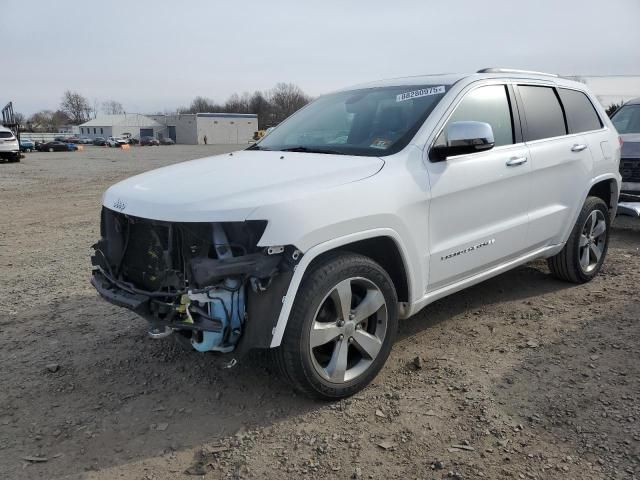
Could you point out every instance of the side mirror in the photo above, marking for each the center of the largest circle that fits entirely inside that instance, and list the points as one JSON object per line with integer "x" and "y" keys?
{"x": 463, "y": 138}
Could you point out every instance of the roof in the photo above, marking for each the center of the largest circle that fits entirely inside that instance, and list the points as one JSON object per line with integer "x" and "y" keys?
{"x": 443, "y": 79}
{"x": 451, "y": 78}
{"x": 123, "y": 120}
{"x": 633, "y": 101}
{"x": 228, "y": 115}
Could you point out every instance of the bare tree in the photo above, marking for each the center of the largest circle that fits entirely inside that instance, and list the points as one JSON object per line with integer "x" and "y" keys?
{"x": 201, "y": 105}
{"x": 259, "y": 105}
{"x": 39, "y": 121}
{"x": 111, "y": 107}
{"x": 19, "y": 118}
{"x": 271, "y": 108}
{"x": 47, "y": 121}
{"x": 234, "y": 104}
{"x": 75, "y": 106}
{"x": 286, "y": 99}
{"x": 94, "y": 108}
{"x": 613, "y": 108}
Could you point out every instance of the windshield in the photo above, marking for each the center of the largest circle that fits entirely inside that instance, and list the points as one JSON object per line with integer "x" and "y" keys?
{"x": 367, "y": 122}
{"x": 627, "y": 119}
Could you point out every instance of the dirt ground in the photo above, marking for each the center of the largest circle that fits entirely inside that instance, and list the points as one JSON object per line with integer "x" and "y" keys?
{"x": 521, "y": 377}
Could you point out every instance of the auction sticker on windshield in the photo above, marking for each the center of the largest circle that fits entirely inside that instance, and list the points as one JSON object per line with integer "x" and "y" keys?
{"x": 423, "y": 92}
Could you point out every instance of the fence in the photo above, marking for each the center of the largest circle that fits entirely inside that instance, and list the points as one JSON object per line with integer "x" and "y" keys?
{"x": 41, "y": 137}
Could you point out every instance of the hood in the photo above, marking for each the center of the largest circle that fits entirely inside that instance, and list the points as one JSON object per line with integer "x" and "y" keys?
{"x": 630, "y": 145}
{"x": 229, "y": 187}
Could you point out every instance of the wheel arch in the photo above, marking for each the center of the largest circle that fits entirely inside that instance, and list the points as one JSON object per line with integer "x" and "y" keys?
{"x": 375, "y": 244}
{"x": 608, "y": 190}
{"x": 606, "y": 187}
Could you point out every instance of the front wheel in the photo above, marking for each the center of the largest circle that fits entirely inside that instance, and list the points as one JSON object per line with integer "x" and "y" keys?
{"x": 341, "y": 328}
{"x": 583, "y": 255}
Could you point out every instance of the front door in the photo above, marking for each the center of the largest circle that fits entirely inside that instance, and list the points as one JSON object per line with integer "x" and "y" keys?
{"x": 479, "y": 202}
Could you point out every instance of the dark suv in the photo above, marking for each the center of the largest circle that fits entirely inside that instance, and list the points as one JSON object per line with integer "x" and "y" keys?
{"x": 627, "y": 122}
{"x": 149, "y": 141}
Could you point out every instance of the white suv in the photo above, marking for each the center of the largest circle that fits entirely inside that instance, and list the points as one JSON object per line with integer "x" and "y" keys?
{"x": 9, "y": 146}
{"x": 115, "y": 142}
{"x": 360, "y": 209}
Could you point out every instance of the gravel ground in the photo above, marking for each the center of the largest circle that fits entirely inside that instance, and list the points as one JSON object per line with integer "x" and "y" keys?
{"x": 522, "y": 376}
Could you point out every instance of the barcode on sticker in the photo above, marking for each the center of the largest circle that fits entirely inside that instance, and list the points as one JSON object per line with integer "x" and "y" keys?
{"x": 423, "y": 92}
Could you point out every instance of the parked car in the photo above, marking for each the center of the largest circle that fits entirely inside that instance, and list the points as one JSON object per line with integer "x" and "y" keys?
{"x": 442, "y": 182}
{"x": 167, "y": 141}
{"x": 99, "y": 141}
{"x": 56, "y": 146}
{"x": 115, "y": 142}
{"x": 627, "y": 121}
{"x": 85, "y": 141}
{"x": 149, "y": 141}
{"x": 9, "y": 147}
{"x": 73, "y": 139}
{"x": 27, "y": 145}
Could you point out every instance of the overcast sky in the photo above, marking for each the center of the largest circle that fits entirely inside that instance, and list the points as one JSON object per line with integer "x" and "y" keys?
{"x": 157, "y": 55}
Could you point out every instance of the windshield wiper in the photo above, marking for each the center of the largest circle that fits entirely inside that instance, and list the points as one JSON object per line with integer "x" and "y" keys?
{"x": 301, "y": 148}
{"x": 255, "y": 146}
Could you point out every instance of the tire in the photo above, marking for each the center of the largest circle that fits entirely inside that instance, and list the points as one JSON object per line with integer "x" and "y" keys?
{"x": 50, "y": 149}
{"x": 339, "y": 365}
{"x": 570, "y": 264}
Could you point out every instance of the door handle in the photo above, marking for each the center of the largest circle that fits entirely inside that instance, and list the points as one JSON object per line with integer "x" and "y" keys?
{"x": 515, "y": 161}
{"x": 578, "y": 147}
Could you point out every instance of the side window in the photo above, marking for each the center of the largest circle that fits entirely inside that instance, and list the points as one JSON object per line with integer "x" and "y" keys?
{"x": 627, "y": 119}
{"x": 543, "y": 112}
{"x": 488, "y": 104}
{"x": 581, "y": 116}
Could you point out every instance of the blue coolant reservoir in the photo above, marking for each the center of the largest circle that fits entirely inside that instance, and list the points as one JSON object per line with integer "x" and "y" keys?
{"x": 225, "y": 303}
{"x": 227, "y": 306}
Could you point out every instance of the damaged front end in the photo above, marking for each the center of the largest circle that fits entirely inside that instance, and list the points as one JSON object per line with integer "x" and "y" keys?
{"x": 207, "y": 282}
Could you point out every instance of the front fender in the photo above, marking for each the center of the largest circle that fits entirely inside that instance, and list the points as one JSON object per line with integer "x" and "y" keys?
{"x": 317, "y": 250}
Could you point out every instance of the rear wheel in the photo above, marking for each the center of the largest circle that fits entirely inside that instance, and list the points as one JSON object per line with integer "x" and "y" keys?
{"x": 51, "y": 149}
{"x": 583, "y": 255}
{"x": 341, "y": 327}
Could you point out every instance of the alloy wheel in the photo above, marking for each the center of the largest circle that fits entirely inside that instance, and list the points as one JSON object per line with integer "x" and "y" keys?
{"x": 348, "y": 330}
{"x": 592, "y": 241}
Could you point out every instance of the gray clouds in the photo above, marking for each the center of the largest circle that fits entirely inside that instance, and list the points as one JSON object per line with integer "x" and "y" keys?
{"x": 151, "y": 55}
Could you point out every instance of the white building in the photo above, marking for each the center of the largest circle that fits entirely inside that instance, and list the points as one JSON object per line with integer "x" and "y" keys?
{"x": 210, "y": 128}
{"x": 133, "y": 124}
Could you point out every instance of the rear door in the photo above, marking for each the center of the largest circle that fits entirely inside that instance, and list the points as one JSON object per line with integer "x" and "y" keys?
{"x": 561, "y": 164}
{"x": 479, "y": 202}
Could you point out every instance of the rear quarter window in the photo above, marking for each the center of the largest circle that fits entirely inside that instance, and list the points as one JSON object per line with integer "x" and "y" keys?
{"x": 581, "y": 115}
{"x": 6, "y": 135}
{"x": 542, "y": 111}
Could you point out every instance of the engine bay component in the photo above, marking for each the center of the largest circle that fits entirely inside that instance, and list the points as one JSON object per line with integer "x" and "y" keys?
{"x": 225, "y": 301}
{"x": 186, "y": 278}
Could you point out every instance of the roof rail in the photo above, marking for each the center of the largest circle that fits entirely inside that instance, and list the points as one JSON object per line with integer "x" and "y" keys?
{"x": 513, "y": 70}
